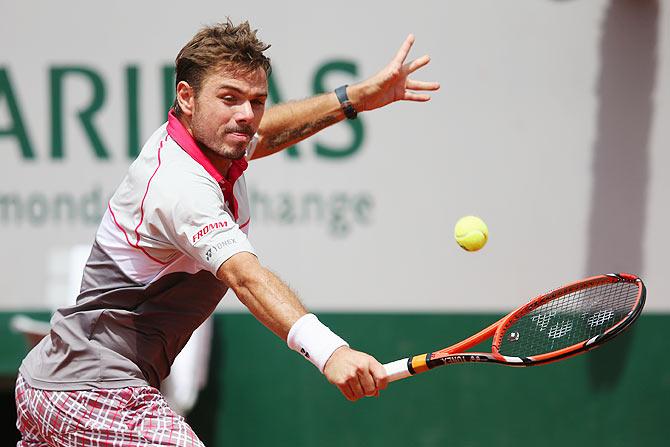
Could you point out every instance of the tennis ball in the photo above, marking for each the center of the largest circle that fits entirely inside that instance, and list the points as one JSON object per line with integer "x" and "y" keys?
{"x": 471, "y": 233}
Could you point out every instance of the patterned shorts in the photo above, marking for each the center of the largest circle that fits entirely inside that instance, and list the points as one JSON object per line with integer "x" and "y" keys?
{"x": 123, "y": 417}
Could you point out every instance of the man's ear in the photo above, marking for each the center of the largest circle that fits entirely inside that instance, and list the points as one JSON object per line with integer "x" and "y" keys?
{"x": 185, "y": 98}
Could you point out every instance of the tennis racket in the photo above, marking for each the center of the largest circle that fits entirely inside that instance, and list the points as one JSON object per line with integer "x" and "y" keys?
{"x": 564, "y": 322}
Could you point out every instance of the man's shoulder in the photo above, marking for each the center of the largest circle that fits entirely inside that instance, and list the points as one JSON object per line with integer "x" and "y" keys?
{"x": 164, "y": 173}
{"x": 170, "y": 165}
{"x": 181, "y": 173}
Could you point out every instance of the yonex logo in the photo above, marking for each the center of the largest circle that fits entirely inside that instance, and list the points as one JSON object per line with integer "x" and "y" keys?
{"x": 214, "y": 248}
{"x": 560, "y": 329}
{"x": 542, "y": 320}
{"x": 457, "y": 359}
{"x": 600, "y": 318}
{"x": 207, "y": 228}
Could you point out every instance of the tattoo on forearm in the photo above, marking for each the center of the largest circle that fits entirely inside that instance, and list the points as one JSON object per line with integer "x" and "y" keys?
{"x": 295, "y": 134}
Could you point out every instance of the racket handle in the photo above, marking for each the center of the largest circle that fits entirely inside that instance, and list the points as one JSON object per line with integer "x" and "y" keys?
{"x": 397, "y": 370}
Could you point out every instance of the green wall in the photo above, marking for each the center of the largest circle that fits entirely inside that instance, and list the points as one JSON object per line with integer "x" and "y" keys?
{"x": 262, "y": 394}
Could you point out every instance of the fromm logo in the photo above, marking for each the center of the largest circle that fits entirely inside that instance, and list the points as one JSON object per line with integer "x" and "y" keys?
{"x": 207, "y": 228}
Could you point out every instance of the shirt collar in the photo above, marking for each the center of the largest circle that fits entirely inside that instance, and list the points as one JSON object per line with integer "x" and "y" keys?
{"x": 185, "y": 140}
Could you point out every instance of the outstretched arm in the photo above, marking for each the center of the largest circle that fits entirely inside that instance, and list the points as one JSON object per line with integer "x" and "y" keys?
{"x": 286, "y": 124}
{"x": 272, "y": 302}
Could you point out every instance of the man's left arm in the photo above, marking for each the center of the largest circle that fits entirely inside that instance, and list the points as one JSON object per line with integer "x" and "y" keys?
{"x": 286, "y": 124}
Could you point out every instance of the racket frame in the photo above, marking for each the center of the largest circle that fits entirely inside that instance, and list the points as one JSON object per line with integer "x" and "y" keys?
{"x": 453, "y": 354}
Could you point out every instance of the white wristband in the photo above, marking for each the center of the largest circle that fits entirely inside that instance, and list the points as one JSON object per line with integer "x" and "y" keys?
{"x": 314, "y": 340}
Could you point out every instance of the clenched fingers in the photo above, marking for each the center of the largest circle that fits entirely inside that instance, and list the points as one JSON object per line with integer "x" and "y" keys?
{"x": 355, "y": 373}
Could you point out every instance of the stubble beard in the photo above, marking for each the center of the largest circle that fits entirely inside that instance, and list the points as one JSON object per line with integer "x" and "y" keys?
{"x": 225, "y": 150}
{"x": 219, "y": 147}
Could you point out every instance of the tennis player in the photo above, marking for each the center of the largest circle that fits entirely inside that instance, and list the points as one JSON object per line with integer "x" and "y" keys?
{"x": 172, "y": 242}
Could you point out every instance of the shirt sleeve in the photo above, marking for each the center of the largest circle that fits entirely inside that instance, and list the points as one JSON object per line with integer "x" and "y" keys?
{"x": 202, "y": 228}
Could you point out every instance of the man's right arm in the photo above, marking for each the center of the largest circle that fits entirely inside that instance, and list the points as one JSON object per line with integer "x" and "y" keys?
{"x": 273, "y": 303}
{"x": 286, "y": 124}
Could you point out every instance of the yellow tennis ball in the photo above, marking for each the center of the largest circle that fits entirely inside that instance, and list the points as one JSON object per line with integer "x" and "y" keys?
{"x": 471, "y": 233}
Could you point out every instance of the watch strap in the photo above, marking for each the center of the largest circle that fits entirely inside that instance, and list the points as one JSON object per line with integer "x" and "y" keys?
{"x": 347, "y": 107}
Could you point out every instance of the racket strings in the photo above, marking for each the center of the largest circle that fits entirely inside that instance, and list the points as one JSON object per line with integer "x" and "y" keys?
{"x": 569, "y": 319}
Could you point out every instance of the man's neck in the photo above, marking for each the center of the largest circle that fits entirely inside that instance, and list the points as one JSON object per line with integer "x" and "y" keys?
{"x": 221, "y": 164}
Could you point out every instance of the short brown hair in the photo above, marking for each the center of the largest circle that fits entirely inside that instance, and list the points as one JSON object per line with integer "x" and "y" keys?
{"x": 218, "y": 45}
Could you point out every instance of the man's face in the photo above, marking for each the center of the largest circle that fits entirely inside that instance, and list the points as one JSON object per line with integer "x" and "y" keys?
{"x": 227, "y": 111}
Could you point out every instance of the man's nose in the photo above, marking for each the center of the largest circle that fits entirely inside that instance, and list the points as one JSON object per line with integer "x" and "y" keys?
{"x": 244, "y": 112}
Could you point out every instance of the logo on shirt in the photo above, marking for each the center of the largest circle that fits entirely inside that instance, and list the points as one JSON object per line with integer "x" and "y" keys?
{"x": 214, "y": 248}
{"x": 207, "y": 228}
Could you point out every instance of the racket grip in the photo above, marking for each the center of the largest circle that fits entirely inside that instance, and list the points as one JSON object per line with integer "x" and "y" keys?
{"x": 397, "y": 370}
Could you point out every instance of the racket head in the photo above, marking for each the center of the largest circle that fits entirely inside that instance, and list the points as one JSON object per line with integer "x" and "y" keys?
{"x": 569, "y": 320}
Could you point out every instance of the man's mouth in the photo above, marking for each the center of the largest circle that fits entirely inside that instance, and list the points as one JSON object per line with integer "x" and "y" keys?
{"x": 240, "y": 136}
{"x": 240, "y": 133}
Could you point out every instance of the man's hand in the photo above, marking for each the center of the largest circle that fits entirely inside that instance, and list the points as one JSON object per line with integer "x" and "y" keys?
{"x": 392, "y": 83}
{"x": 355, "y": 373}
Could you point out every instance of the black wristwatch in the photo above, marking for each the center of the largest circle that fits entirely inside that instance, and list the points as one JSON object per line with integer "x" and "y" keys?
{"x": 348, "y": 108}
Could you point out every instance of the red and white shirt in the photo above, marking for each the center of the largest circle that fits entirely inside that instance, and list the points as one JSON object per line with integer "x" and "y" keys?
{"x": 150, "y": 279}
